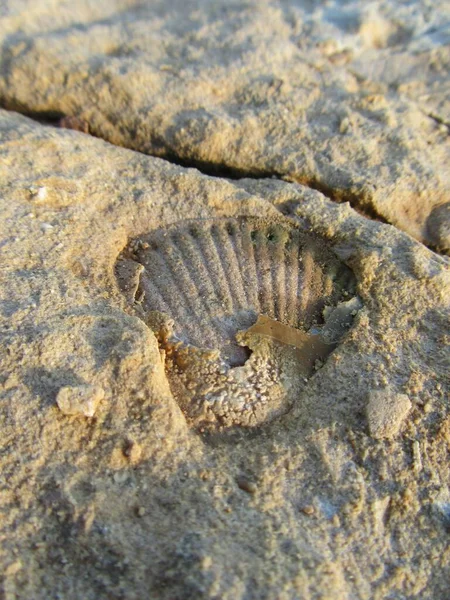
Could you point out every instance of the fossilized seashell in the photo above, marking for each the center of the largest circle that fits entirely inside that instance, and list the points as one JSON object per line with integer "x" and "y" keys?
{"x": 215, "y": 290}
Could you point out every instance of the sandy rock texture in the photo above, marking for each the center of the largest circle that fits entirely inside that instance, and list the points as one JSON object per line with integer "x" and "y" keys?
{"x": 133, "y": 503}
{"x": 346, "y": 97}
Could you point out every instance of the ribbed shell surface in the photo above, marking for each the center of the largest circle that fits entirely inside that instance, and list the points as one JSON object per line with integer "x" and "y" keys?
{"x": 215, "y": 276}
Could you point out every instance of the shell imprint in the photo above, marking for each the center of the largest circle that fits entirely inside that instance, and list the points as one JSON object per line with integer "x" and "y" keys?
{"x": 245, "y": 310}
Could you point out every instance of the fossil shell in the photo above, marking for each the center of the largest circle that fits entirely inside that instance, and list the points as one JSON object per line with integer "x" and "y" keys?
{"x": 202, "y": 285}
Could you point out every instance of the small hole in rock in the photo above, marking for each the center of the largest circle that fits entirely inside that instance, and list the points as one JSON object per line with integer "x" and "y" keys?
{"x": 288, "y": 208}
{"x": 236, "y": 356}
{"x": 230, "y": 229}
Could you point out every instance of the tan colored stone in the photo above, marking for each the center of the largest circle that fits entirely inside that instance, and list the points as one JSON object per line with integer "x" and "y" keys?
{"x": 64, "y": 320}
{"x": 386, "y": 410}
{"x": 79, "y": 400}
{"x": 252, "y": 89}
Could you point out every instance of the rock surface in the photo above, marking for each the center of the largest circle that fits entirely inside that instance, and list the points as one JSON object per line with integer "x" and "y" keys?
{"x": 133, "y": 503}
{"x": 106, "y": 489}
{"x": 349, "y": 98}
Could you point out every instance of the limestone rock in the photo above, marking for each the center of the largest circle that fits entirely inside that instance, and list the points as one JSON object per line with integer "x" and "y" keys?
{"x": 348, "y": 99}
{"x": 386, "y": 411}
{"x": 64, "y": 321}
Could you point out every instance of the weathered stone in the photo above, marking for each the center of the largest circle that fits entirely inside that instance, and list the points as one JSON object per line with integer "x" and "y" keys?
{"x": 348, "y": 99}
{"x": 64, "y": 321}
{"x": 386, "y": 411}
{"x": 79, "y": 400}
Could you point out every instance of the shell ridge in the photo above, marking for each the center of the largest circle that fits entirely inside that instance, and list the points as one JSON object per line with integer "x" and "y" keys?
{"x": 203, "y": 335}
{"x": 195, "y": 263}
{"x": 153, "y": 296}
{"x": 213, "y": 337}
{"x": 209, "y": 254}
{"x": 318, "y": 289}
{"x": 209, "y": 251}
{"x": 278, "y": 269}
{"x": 242, "y": 260}
{"x": 282, "y": 295}
{"x": 292, "y": 283}
{"x": 223, "y": 268}
{"x": 193, "y": 322}
{"x": 165, "y": 292}
{"x": 264, "y": 274}
{"x": 227, "y": 240}
{"x": 250, "y": 266}
{"x": 306, "y": 280}
{"x": 161, "y": 297}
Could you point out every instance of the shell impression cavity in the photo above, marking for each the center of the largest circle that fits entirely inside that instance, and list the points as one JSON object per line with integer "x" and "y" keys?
{"x": 245, "y": 311}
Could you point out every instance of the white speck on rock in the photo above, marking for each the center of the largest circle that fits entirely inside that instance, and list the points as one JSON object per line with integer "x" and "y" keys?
{"x": 79, "y": 400}
{"x": 41, "y": 194}
{"x": 46, "y": 227}
{"x": 386, "y": 411}
{"x": 417, "y": 456}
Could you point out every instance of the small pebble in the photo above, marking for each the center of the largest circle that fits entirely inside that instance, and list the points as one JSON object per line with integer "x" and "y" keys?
{"x": 41, "y": 194}
{"x": 308, "y": 510}
{"x": 345, "y": 125}
{"x": 246, "y": 485}
{"x": 79, "y": 400}
{"x": 120, "y": 476}
{"x": 46, "y": 227}
{"x": 386, "y": 411}
{"x": 417, "y": 456}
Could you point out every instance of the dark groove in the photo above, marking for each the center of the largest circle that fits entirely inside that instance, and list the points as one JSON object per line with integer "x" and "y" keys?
{"x": 437, "y": 119}
{"x": 340, "y": 196}
{"x": 44, "y": 117}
